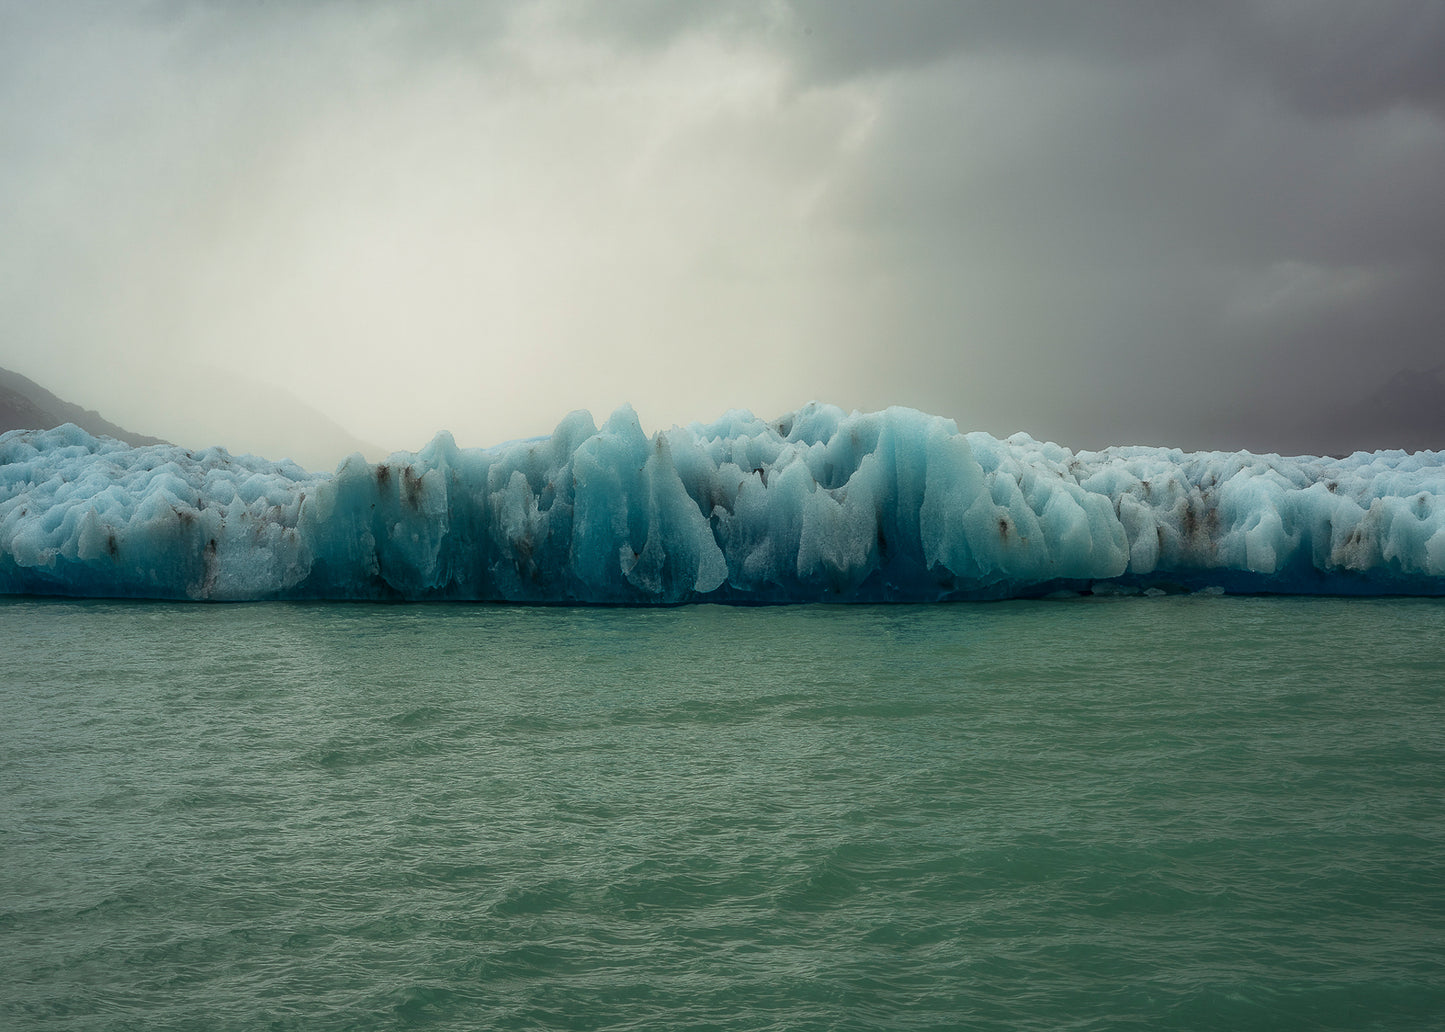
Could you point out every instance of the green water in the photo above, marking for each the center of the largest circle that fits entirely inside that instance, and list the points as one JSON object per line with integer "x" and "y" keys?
{"x": 1165, "y": 813}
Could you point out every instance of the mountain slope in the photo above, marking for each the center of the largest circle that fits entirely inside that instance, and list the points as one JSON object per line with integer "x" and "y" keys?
{"x": 25, "y": 405}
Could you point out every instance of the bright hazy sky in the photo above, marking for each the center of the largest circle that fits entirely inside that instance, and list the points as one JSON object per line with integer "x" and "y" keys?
{"x": 1196, "y": 224}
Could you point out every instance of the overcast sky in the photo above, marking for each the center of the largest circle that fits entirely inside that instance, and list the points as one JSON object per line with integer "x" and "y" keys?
{"x": 1207, "y": 224}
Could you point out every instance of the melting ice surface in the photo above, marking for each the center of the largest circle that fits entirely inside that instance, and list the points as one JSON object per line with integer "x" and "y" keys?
{"x": 816, "y": 506}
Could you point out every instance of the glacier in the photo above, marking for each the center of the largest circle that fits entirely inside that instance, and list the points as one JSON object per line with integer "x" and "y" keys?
{"x": 818, "y": 505}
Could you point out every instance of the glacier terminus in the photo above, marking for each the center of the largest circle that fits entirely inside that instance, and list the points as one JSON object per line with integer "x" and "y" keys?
{"x": 818, "y": 505}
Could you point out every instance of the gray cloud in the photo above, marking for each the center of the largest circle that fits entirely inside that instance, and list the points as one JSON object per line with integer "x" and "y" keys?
{"x": 1212, "y": 225}
{"x": 1209, "y": 226}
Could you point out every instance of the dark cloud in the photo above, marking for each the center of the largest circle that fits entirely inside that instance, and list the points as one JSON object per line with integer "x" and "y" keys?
{"x": 1336, "y": 57}
{"x": 1203, "y": 224}
{"x": 1343, "y": 58}
{"x": 1213, "y": 225}
{"x": 841, "y": 40}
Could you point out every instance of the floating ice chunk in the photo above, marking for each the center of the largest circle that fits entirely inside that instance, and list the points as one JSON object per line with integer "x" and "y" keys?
{"x": 816, "y": 505}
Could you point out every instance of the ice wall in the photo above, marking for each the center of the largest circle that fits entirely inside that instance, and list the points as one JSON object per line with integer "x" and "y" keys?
{"x": 817, "y": 505}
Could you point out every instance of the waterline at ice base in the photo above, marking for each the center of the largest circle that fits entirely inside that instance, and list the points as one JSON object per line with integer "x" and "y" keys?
{"x": 817, "y": 506}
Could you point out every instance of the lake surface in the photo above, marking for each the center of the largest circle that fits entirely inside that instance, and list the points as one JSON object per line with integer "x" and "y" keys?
{"x": 1178, "y": 812}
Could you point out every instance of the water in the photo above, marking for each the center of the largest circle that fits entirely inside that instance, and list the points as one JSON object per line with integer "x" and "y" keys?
{"x": 1101, "y": 814}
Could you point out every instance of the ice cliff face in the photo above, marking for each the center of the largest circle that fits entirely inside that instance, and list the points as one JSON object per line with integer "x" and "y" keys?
{"x": 816, "y": 506}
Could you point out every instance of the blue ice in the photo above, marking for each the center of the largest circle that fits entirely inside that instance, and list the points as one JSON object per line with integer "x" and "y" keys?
{"x": 818, "y": 505}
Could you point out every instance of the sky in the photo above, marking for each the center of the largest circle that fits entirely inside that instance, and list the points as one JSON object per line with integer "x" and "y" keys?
{"x": 1208, "y": 225}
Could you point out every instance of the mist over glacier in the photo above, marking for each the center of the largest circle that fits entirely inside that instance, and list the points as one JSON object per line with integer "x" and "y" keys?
{"x": 817, "y": 505}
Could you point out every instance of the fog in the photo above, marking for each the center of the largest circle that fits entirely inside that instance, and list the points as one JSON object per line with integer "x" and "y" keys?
{"x": 1108, "y": 223}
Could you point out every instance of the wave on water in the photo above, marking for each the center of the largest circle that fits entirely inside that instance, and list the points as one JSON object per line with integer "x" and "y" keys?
{"x": 818, "y": 505}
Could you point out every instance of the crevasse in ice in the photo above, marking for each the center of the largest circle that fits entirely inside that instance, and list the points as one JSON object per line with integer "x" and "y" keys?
{"x": 816, "y": 506}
